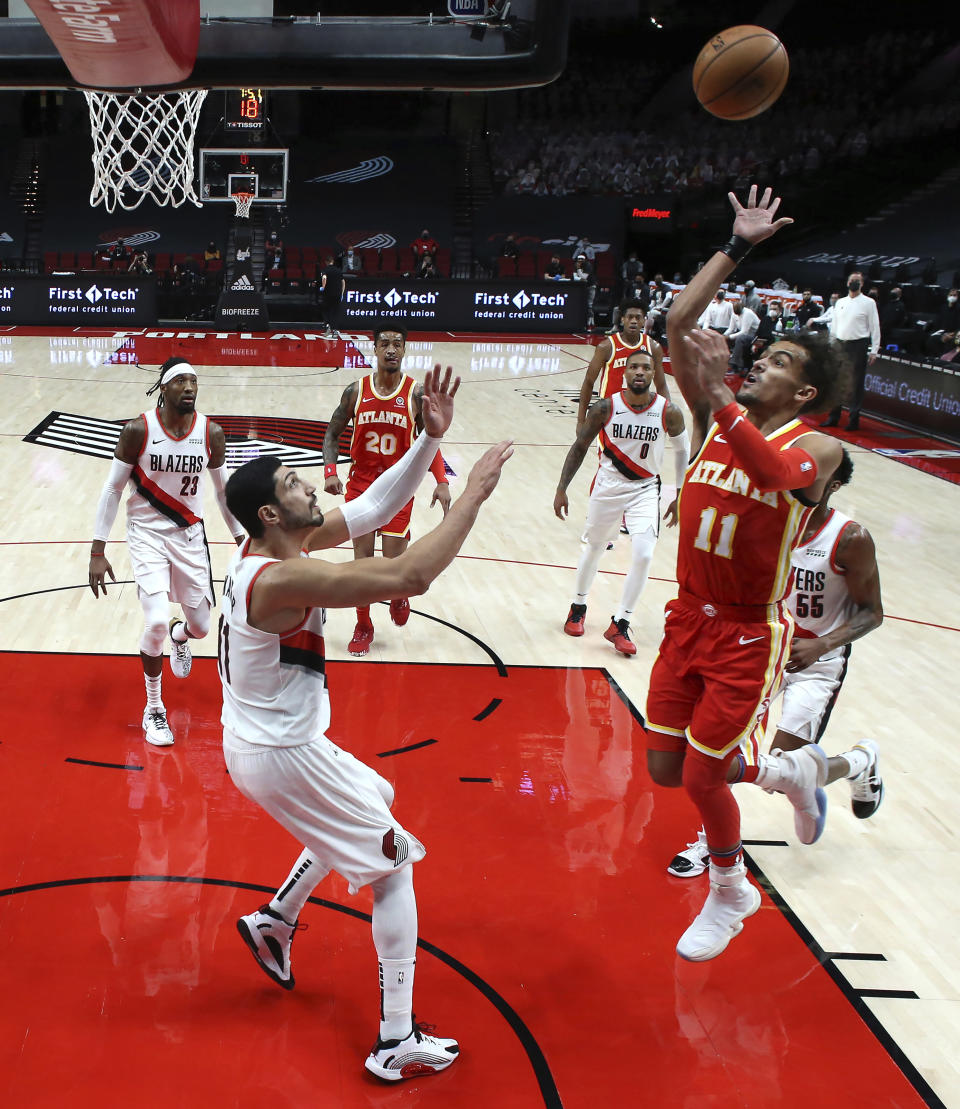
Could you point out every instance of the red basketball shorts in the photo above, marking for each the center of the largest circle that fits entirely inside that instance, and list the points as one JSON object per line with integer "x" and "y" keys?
{"x": 399, "y": 525}
{"x": 714, "y": 678}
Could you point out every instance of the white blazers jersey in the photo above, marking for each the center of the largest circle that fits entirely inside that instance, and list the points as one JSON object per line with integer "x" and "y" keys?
{"x": 632, "y": 442}
{"x": 170, "y": 474}
{"x": 819, "y": 599}
{"x": 274, "y": 686}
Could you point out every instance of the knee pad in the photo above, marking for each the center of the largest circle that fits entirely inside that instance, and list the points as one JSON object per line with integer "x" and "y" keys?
{"x": 156, "y": 612}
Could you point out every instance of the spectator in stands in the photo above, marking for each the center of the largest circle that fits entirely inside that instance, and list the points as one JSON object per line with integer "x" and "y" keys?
{"x": 273, "y": 251}
{"x": 424, "y": 246}
{"x": 630, "y": 268}
{"x": 332, "y": 286}
{"x": 350, "y": 263}
{"x": 770, "y": 328}
{"x": 825, "y": 319}
{"x": 718, "y": 313}
{"x": 139, "y": 263}
{"x": 119, "y": 254}
{"x": 583, "y": 271}
{"x": 212, "y": 252}
{"x": 585, "y": 247}
{"x": 554, "y": 269}
{"x": 510, "y": 248}
{"x": 945, "y": 327}
{"x": 750, "y": 297}
{"x": 740, "y": 335}
{"x": 893, "y": 315}
{"x": 428, "y": 269}
{"x": 806, "y": 309}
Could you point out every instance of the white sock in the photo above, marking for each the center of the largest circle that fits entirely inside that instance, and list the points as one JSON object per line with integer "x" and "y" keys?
{"x": 858, "y": 759}
{"x": 396, "y": 998}
{"x": 302, "y": 880}
{"x": 587, "y": 571}
{"x": 153, "y": 691}
{"x": 178, "y": 633}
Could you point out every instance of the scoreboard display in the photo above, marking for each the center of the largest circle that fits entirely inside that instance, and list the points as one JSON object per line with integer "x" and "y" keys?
{"x": 244, "y": 110}
{"x": 259, "y": 170}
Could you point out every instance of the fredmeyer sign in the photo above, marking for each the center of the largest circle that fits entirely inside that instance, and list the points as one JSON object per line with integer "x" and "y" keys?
{"x": 467, "y": 305}
{"x": 63, "y": 299}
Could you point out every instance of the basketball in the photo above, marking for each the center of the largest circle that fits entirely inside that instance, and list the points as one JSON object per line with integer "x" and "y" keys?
{"x": 740, "y": 72}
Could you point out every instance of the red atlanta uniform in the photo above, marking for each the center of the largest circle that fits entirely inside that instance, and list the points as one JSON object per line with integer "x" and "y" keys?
{"x": 727, "y": 636}
{"x": 384, "y": 427}
{"x": 611, "y": 376}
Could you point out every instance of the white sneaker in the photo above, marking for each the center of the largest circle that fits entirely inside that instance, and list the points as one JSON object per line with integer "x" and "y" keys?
{"x": 416, "y": 1055}
{"x": 866, "y": 790}
{"x": 269, "y": 937}
{"x": 802, "y": 774}
{"x": 156, "y": 730}
{"x": 730, "y": 901}
{"x": 181, "y": 659}
{"x": 693, "y": 860}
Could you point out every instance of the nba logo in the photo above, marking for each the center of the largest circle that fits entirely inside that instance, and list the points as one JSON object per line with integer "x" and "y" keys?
{"x": 465, "y": 8}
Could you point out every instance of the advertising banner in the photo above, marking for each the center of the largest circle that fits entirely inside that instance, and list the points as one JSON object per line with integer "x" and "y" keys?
{"x": 466, "y": 305}
{"x": 241, "y": 305}
{"x": 63, "y": 300}
{"x": 925, "y": 396}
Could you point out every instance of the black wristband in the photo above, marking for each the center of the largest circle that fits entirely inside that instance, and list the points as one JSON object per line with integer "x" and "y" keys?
{"x": 737, "y": 248}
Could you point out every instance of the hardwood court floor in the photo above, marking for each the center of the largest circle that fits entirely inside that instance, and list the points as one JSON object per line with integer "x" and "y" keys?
{"x": 547, "y": 921}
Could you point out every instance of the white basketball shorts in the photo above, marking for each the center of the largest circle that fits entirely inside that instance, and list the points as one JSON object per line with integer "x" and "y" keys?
{"x": 330, "y": 801}
{"x": 809, "y": 696}
{"x": 175, "y": 562}
{"x": 614, "y": 498}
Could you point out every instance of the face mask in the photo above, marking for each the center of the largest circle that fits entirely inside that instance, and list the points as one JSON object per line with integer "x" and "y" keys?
{"x": 951, "y": 300}
{"x": 854, "y": 286}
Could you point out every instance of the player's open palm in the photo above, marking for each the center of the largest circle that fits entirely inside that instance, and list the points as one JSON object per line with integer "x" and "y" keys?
{"x": 486, "y": 470}
{"x": 756, "y": 221}
{"x": 436, "y": 406}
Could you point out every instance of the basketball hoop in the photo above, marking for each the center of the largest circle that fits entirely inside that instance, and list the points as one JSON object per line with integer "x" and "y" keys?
{"x": 143, "y": 146}
{"x": 243, "y": 202}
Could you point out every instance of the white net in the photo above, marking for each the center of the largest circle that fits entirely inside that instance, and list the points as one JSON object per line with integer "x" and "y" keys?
{"x": 143, "y": 146}
{"x": 243, "y": 202}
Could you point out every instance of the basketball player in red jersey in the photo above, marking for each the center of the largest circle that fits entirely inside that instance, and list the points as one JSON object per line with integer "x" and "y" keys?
{"x": 610, "y": 359}
{"x": 385, "y": 409}
{"x": 757, "y": 472}
{"x": 165, "y": 454}
{"x": 835, "y": 600}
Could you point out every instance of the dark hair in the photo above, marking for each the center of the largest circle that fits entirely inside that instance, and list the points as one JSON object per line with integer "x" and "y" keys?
{"x": 249, "y": 488}
{"x": 631, "y": 302}
{"x": 844, "y": 472}
{"x": 826, "y": 368}
{"x": 169, "y": 364}
{"x": 388, "y": 325}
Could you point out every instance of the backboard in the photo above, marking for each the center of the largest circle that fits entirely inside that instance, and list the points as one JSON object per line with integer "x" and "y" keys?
{"x": 256, "y": 170}
{"x": 285, "y": 44}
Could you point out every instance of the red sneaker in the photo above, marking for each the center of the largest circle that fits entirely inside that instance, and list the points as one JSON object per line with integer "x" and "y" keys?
{"x": 575, "y": 619}
{"x": 362, "y": 638}
{"x": 400, "y": 611}
{"x": 619, "y": 635}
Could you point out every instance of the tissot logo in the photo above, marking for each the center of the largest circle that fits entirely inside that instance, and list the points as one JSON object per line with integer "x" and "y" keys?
{"x": 521, "y": 300}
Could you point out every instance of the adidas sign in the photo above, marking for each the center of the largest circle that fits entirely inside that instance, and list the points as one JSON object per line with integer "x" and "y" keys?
{"x": 243, "y": 284}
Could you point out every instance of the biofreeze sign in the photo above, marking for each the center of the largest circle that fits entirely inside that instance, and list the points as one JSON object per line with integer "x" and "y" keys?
{"x": 99, "y": 299}
{"x": 467, "y": 305}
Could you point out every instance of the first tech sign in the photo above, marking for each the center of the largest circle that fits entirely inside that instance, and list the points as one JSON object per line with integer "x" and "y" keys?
{"x": 61, "y": 299}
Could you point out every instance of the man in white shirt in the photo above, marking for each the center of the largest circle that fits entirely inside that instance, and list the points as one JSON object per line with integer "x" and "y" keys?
{"x": 740, "y": 335}
{"x": 719, "y": 313}
{"x": 825, "y": 319}
{"x": 856, "y": 325}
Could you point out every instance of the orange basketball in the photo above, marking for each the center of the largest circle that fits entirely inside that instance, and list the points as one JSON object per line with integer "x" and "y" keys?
{"x": 740, "y": 72}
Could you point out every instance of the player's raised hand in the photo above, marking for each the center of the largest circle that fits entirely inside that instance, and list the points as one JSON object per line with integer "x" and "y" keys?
{"x": 708, "y": 350}
{"x": 436, "y": 407}
{"x": 97, "y": 574}
{"x": 756, "y": 221}
{"x": 486, "y": 470}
